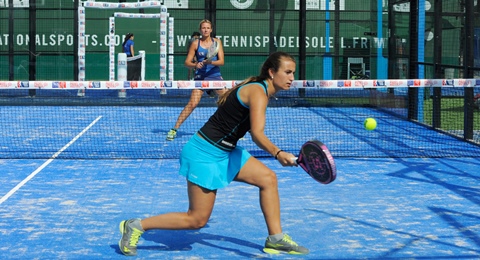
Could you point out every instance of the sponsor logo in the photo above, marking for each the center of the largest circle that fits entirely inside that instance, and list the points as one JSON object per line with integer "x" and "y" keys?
{"x": 326, "y": 83}
{"x": 227, "y": 143}
{"x": 7, "y": 84}
{"x": 113, "y": 84}
{"x": 74, "y": 84}
{"x": 397, "y": 83}
{"x": 183, "y": 84}
{"x": 464, "y": 82}
{"x": 309, "y": 83}
{"x": 430, "y": 82}
{"x": 219, "y": 84}
{"x": 379, "y": 83}
{"x": 147, "y": 84}
{"x": 166, "y": 84}
{"x": 347, "y": 83}
{"x": 59, "y": 84}
{"x": 23, "y": 84}
{"x": 94, "y": 84}
{"x": 414, "y": 83}
{"x": 360, "y": 83}
{"x": 448, "y": 82}
{"x": 40, "y": 84}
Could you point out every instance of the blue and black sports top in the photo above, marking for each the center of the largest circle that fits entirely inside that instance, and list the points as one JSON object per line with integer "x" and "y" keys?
{"x": 208, "y": 71}
{"x": 230, "y": 122}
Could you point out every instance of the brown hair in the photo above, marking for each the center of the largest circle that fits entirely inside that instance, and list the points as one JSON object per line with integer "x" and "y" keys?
{"x": 273, "y": 62}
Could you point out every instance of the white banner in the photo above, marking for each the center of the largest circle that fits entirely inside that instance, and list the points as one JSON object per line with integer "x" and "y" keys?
{"x": 189, "y": 84}
{"x": 16, "y": 3}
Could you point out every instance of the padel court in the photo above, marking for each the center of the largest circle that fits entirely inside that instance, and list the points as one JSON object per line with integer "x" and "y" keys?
{"x": 70, "y": 174}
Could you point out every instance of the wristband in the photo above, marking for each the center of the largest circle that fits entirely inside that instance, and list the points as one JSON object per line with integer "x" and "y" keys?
{"x": 276, "y": 155}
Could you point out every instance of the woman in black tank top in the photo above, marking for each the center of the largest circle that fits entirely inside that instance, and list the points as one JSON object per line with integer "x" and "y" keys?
{"x": 211, "y": 160}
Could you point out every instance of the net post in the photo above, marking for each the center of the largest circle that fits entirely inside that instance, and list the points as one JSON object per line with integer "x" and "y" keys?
{"x": 81, "y": 43}
{"x": 111, "y": 47}
{"x": 121, "y": 66}
{"x": 122, "y": 72}
{"x": 171, "y": 60}
{"x": 142, "y": 68}
{"x": 163, "y": 43}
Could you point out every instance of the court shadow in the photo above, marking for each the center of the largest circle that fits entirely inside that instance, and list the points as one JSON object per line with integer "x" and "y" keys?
{"x": 461, "y": 221}
{"x": 183, "y": 240}
{"x": 434, "y": 170}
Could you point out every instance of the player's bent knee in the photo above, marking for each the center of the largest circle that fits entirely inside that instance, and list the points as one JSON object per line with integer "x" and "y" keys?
{"x": 198, "y": 223}
{"x": 269, "y": 179}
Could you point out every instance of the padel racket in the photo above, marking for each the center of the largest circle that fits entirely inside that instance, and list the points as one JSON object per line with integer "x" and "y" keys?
{"x": 212, "y": 50}
{"x": 317, "y": 161}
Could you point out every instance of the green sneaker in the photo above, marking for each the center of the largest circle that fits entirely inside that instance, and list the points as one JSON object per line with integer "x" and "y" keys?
{"x": 130, "y": 236}
{"x": 286, "y": 245}
{"x": 171, "y": 134}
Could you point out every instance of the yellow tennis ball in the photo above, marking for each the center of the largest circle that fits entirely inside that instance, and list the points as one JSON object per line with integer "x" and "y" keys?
{"x": 370, "y": 124}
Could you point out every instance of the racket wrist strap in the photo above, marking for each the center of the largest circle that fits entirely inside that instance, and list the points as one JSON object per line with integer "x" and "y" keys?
{"x": 276, "y": 155}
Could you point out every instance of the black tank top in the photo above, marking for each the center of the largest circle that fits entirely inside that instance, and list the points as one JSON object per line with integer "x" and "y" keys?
{"x": 229, "y": 123}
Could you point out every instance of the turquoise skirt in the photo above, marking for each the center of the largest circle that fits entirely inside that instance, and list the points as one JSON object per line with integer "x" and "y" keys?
{"x": 208, "y": 166}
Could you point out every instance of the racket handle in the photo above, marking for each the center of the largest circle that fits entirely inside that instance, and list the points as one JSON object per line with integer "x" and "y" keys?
{"x": 295, "y": 159}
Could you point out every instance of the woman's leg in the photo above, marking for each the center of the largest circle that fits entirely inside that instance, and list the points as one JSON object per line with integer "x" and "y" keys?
{"x": 195, "y": 98}
{"x": 256, "y": 173}
{"x": 200, "y": 208}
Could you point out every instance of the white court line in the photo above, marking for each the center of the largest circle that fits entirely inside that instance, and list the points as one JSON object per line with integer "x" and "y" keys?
{"x": 29, "y": 177}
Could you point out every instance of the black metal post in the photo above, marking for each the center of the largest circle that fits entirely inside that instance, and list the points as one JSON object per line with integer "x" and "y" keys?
{"x": 213, "y": 16}
{"x": 271, "y": 31}
{"x": 11, "y": 60}
{"x": 413, "y": 62}
{"x": 468, "y": 68}
{"x": 75, "y": 40}
{"x": 32, "y": 48}
{"x": 302, "y": 51}
{"x": 437, "y": 60}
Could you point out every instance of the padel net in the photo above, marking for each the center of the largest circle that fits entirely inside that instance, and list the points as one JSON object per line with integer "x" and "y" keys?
{"x": 415, "y": 117}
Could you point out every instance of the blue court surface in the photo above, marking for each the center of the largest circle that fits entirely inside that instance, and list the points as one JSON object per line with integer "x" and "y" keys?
{"x": 70, "y": 174}
{"x": 377, "y": 208}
